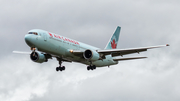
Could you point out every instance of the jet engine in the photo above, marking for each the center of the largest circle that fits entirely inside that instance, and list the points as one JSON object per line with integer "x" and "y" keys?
{"x": 91, "y": 55}
{"x": 38, "y": 57}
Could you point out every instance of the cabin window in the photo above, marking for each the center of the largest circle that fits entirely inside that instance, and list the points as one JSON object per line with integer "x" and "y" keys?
{"x": 35, "y": 33}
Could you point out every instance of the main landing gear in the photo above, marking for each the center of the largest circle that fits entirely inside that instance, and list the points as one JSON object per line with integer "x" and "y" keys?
{"x": 91, "y": 67}
{"x": 60, "y": 68}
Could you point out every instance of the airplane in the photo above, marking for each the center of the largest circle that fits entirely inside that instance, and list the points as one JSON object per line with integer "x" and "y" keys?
{"x": 46, "y": 45}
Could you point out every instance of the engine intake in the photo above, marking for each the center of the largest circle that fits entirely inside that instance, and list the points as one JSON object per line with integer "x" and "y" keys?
{"x": 38, "y": 57}
{"x": 91, "y": 55}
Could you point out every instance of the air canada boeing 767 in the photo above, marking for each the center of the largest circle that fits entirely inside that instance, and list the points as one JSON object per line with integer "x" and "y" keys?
{"x": 45, "y": 45}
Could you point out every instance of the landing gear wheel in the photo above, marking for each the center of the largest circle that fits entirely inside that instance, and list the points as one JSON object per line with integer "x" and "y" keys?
{"x": 94, "y": 67}
{"x": 57, "y": 69}
{"x": 60, "y": 68}
{"x": 91, "y": 67}
{"x": 88, "y": 68}
{"x": 63, "y": 67}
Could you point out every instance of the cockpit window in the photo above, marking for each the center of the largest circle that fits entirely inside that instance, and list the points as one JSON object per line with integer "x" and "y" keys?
{"x": 35, "y": 33}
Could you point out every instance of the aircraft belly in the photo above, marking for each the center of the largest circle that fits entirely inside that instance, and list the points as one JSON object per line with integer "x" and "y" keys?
{"x": 98, "y": 63}
{"x": 105, "y": 62}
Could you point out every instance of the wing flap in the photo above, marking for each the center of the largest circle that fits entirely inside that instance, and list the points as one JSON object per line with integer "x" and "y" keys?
{"x": 132, "y": 58}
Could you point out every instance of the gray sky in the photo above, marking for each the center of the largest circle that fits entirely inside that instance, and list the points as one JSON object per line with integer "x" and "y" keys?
{"x": 143, "y": 22}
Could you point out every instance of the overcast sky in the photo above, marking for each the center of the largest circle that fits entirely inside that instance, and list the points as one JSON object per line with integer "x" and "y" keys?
{"x": 143, "y": 22}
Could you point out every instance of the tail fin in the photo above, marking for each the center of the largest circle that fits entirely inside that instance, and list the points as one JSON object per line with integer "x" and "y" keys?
{"x": 112, "y": 44}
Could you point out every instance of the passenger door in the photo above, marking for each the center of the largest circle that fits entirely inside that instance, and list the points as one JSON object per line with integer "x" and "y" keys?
{"x": 44, "y": 36}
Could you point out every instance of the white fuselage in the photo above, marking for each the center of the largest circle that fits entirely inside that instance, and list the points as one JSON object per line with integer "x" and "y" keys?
{"x": 60, "y": 46}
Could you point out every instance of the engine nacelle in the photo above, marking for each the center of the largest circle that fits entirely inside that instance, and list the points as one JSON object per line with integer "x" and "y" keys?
{"x": 38, "y": 57}
{"x": 91, "y": 55}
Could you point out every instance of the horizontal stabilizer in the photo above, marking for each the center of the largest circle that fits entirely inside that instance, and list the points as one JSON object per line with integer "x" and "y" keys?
{"x": 121, "y": 59}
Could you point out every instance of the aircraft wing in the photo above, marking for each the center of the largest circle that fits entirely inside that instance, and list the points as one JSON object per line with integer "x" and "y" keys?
{"x": 20, "y": 52}
{"x": 121, "y": 52}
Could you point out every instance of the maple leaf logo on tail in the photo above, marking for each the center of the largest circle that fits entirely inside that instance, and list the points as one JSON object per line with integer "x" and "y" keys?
{"x": 113, "y": 44}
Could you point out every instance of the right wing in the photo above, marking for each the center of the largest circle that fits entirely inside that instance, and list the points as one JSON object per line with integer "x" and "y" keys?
{"x": 118, "y": 52}
{"x": 121, "y": 52}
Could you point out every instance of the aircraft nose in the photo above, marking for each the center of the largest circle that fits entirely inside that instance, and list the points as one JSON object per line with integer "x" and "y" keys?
{"x": 28, "y": 39}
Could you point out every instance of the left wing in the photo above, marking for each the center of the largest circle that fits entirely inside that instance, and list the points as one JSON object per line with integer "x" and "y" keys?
{"x": 48, "y": 56}
{"x": 121, "y": 52}
{"x": 20, "y": 52}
